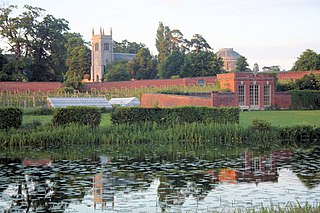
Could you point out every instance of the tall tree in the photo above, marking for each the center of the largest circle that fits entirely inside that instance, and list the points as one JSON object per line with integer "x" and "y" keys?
{"x": 78, "y": 55}
{"x": 173, "y": 65}
{"x": 37, "y": 42}
{"x": 143, "y": 66}
{"x": 198, "y": 43}
{"x": 163, "y": 44}
{"x": 200, "y": 64}
{"x": 308, "y": 60}
{"x": 242, "y": 65}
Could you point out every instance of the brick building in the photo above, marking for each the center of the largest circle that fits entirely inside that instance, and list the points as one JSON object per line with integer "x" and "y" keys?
{"x": 244, "y": 90}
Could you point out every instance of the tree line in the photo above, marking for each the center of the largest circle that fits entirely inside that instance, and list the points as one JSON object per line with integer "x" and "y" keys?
{"x": 41, "y": 48}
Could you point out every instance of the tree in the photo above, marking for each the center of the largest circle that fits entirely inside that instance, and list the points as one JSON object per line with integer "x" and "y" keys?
{"x": 143, "y": 66}
{"x": 200, "y": 64}
{"x": 242, "y": 64}
{"x": 308, "y": 82}
{"x": 308, "y": 60}
{"x": 173, "y": 65}
{"x": 118, "y": 71}
{"x": 127, "y": 47}
{"x": 163, "y": 44}
{"x": 36, "y": 41}
{"x": 198, "y": 43}
{"x": 78, "y": 59}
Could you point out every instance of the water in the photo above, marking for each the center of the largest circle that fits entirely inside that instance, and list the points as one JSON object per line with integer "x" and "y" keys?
{"x": 147, "y": 178}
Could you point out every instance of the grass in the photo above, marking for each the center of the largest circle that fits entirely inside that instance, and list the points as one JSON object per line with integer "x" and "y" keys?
{"x": 282, "y": 118}
{"x": 277, "y": 118}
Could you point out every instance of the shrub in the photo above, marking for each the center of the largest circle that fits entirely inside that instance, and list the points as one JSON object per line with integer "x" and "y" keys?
{"x": 175, "y": 115}
{"x": 79, "y": 115}
{"x": 10, "y": 117}
{"x": 305, "y": 99}
{"x": 261, "y": 125}
{"x": 38, "y": 111}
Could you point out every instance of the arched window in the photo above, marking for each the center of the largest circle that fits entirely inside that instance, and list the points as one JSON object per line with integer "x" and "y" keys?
{"x": 106, "y": 46}
{"x": 96, "y": 46}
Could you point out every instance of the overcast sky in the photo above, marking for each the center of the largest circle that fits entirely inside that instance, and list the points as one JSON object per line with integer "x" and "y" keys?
{"x": 267, "y": 32}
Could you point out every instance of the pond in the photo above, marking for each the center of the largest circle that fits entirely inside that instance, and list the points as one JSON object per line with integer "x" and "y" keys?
{"x": 151, "y": 178}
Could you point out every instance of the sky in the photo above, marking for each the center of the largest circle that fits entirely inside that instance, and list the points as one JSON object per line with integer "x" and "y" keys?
{"x": 267, "y": 32}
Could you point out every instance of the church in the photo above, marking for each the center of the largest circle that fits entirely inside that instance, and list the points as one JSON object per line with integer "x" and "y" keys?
{"x": 102, "y": 54}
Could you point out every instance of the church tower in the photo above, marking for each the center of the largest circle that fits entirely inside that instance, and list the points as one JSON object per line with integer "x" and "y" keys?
{"x": 102, "y": 54}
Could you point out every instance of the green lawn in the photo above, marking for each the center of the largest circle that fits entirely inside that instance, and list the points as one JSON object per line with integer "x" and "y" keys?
{"x": 277, "y": 118}
{"x": 282, "y": 118}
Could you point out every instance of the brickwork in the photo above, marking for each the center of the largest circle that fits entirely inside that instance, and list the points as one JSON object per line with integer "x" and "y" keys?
{"x": 163, "y": 100}
{"x": 282, "y": 100}
{"x": 295, "y": 75}
{"x": 30, "y": 86}
{"x": 163, "y": 83}
{"x": 224, "y": 99}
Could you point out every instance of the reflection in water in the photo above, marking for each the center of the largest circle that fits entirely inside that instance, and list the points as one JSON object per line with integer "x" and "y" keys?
{"x": 157, "y": 183}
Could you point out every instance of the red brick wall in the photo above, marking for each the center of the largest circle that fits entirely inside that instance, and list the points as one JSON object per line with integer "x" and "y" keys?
{"x": 224, "y": 99}
{"x": 164, "y": 100}
{"x": 295, "y": 75}
{"x": 150, "y": 83}
{"x": 30, "y": 86}
{"x": 282, "y": 100}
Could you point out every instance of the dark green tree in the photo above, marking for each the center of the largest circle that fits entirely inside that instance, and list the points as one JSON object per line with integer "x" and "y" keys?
{"x": 78, "y": 59}
{"x": 242, "y": 65}
{"x": 118, "y": 71}
{"x": 143, "y": 66}
{"x": 127, "y": 47}
{"x": 309, "y": 82}
{"x": 36, "y": 41}
{"x": 200, "y": 64}
{"x": 198, "y": 43}
{"x": 308, "y": 60}
{"x": 173, "y": 65}
{"x": 163, "y": 44}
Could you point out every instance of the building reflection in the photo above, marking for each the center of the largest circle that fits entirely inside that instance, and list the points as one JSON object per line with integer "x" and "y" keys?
{"x": 255, "y": 168}
{"x": 103, "y": 191}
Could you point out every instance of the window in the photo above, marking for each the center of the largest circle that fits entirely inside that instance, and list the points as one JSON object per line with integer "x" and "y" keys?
{"x": 106, "y": 46}
{"x": 241, "y": 95}
{"x": 267, "y": 95}
{"x": 96, "y": 46}
{"x": 254, "y": 94}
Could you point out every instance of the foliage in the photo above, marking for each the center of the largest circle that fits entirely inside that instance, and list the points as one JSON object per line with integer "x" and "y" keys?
{"x": 10, "y": 117}
{"x": 38, "y": 111}
{"x": 242, "y": 65}
{"x": 173, "y": 64}
{"x": 309, "y": 82}
{"x": 79, "y": 115}
{"x": 127, "y": 47}
{"x": 203, "y": 63}
{"x": 308, "y": 60}
{"x": 143, "y": 66}
{"x": 305, "y": 99}
{"x": 36, "y": 41}
{"x": 78, "y": 59}
{"x": 175, "y": 115}
{"x": 261, "y": 125}
{"x": 118, "y": 71}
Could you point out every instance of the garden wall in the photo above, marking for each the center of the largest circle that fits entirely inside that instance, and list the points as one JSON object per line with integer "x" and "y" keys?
{"x": 224, "y": 99}
{"x": 149, "y": 100}
{"x": 160, "y": 83}
{"x": 295, "y": 75}
{"x": 283, "y": 100}
{"x": 30, "y": 86}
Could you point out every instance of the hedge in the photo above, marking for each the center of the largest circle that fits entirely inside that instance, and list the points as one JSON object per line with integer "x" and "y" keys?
{"x": 174, "y": 115}
{"x": 10, "y": 117}
{"x": 79, "y": 115}
{"x": 305, "y": 99}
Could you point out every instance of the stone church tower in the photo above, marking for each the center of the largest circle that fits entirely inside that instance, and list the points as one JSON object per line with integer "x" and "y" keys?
{"x": 102, "y": 54}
